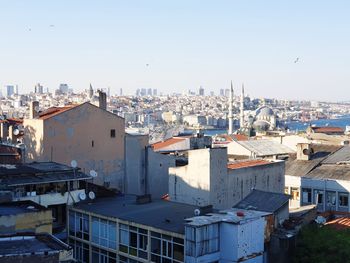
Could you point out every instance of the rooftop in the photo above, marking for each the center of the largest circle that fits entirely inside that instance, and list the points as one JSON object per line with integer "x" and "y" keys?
{"x": 12, "y": 245}
{"x": 328, "y": 129}
{"x": 246, "y": 163}
{"x": 265, "y": 147}
{"x": 53, "y": 111}
{"x": 160, "y": 145}
{"x": 162, "y": 214}
{"x": 19, "y": 207}
{"x": 233, "y": 216}
{"x": 38, "y": 173}
{"x": 263, "y": 201}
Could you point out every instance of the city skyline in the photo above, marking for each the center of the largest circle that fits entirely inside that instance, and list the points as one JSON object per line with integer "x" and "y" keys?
{"x": 279, "y": 50}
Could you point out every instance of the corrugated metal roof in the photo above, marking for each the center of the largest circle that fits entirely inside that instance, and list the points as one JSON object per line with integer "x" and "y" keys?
{"x": 332, "y": 171}
{"x": 263, "y": 201}
{"x": 265, "y": 147}
{"x": 342, "y": 155}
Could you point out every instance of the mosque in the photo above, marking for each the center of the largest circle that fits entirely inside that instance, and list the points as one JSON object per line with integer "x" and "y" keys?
{"x": 263, "y": 120}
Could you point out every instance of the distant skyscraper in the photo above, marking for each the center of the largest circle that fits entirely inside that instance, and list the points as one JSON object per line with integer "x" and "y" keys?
{"x": 39, "y": 88}
{"x": 143, "y": 92}
{"x": 121, "y": 92}
{"x": 138, "y": 92}
{"x": 212, "y": 93}
{"x": 201, "y": 91}
{"x": 227, "y": 93}
{"x": 16, "y": 90}
{"x": 155, "y": 92}
{"x": 10, "y": 90}
{"x": 222, "y": 92}
{"x": 63, "y": 88}
{"x": 149, "y": 92}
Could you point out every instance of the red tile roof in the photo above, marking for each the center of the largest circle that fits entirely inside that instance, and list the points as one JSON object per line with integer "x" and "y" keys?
{"x": 12, "y": 121}
{"x": 246, "y": 163}
{"x": 53, "y": 111}
{"x": 327, "y": 129}
{"x": 160, "y": 145}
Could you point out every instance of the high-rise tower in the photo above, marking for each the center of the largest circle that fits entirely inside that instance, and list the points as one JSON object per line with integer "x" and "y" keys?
{"x": 241, "y": 108}
{"x": 230, "y": 114}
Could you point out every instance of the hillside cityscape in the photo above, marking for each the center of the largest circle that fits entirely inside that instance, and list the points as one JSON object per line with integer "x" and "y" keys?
{"x": 174, "y": 131}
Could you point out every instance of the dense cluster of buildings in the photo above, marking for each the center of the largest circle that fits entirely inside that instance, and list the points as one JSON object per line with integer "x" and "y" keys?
{"x": 78, "y": 185}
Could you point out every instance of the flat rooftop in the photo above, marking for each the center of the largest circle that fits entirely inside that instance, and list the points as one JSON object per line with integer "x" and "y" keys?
{"x": 30, "y": 244}
{"x": 38, "y": 173}
{"x": 162, "y": 214}
{"x": 20, "y": 207}
{"x": 233, "y": 216}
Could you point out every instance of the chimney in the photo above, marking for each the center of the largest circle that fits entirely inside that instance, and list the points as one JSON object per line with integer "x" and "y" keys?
{"x": 304, "y": 151}
{"x": 102, "y": 100}
{"x": 34, "y": 109}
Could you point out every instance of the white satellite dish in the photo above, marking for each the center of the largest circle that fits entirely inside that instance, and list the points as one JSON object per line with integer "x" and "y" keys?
{"x": 82, "y": 196}
{"x": 16, "y": 132}
{"x": 20, "y": 127}
{"x": 36, "y": 108}
{"x": 92, "y": 195}
{"x": 197, "y": 212}
{"x": 93, "y": 173}
{"x": 74, "y": 163}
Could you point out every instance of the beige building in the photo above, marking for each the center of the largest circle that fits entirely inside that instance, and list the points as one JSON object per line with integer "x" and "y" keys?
{"x": 88, "y": 134}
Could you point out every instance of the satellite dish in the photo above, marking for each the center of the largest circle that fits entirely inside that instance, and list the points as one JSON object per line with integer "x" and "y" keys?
{"x": 74, "y": 163}
{"x": 16, "y": 132}
{"x": 82, "y": 196}
{"x": 93, "y": 173}
{"x": 92, "y": 195}
{"x": 36, "y": 108}
{"x": 197, "y": 212}
{"x": 20, "y": 127}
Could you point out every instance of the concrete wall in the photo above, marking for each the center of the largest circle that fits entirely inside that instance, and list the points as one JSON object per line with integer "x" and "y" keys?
{"x": 234, "y": 148}
{"x": 82, "y": 134}
{"x": 37, "y": 222}
{"x": 191, "y": 183}
{"x": 158, "y": 172}
{"x": 135, "y": 163}
{"x": 207, "y": 180}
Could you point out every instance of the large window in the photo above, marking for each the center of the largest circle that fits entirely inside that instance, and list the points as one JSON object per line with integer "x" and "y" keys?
{"x": 103, "y": 256}
{"x": 343, "y": 199}
{"x": 306, "y": 195}
{"x": 318, "y": 197}
{"x": 202, "y": 240}
{"x": 166, "y": 249}
{"x": 104, "y": 233}
{"x": 79, "y": 225}
{"x": 294, "y": 191}
{"x": 80, "y": 251}
{"x": 133, "y": 241}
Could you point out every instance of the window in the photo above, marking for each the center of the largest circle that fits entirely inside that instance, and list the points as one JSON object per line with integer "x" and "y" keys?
{"x": 103, "y": 256}
{"x": 113, "y": 133}
{"x": 166, "y": 248}
{"x": 92, "y": 143}
{"x": 104, "y": 233}
{"x": 331, "y": 199}
{"x": 133, "y": 240}
{"x": 318, "y": 197}
{"x": 79, "y": 225}
{"x": 306, "y": 195}
{"x": 294, "y": 191}
{"x": 80, "y": 251}
{"x": 343, "y": 199}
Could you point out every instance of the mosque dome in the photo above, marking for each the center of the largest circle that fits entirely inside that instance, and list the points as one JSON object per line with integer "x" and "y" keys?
{"x": 264, "y": 112}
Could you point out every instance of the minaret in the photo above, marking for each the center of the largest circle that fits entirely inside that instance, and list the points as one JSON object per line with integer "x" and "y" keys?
{"x": 91, "y": 91}
{"x": 230, "y": 114}
{"x": 241, "y": 109}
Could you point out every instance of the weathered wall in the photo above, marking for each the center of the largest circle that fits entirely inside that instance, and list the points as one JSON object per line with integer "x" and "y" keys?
{"x": 37, "y": 222}
{"x": 82, "y": 134}
{"x": 135, "y": 163}
{"x": 191, "y": 183}
{"x": 235, "y": 148}
{"x": 33, "y": 139}
{"x": 158, "y": 172}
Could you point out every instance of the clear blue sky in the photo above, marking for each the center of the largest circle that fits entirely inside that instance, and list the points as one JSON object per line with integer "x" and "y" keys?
{"x": 186, "y": 44}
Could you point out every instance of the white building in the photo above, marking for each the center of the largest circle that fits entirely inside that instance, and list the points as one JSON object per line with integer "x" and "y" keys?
{"x": 209, "y": 180}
